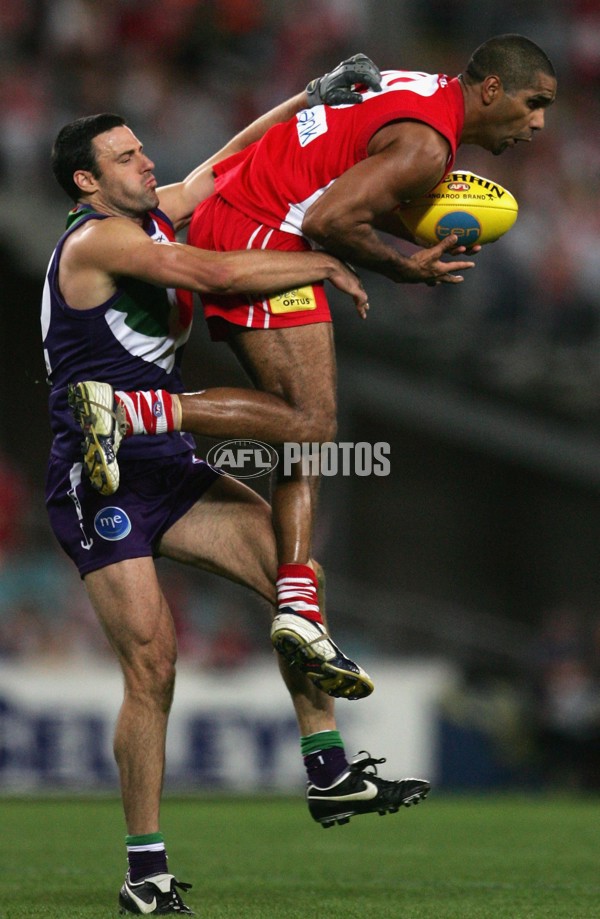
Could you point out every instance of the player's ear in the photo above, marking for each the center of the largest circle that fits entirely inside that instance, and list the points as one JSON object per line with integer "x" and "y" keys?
{"x": 85, "y": 181}
{"x": 491, "y": 88}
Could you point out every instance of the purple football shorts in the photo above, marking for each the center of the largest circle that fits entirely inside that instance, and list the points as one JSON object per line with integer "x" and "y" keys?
{"x": 153, "y": 494}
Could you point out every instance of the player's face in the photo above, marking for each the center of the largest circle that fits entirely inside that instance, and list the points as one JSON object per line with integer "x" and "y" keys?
{"x": 518, "y": 115}
{"x": 126, "y": 185}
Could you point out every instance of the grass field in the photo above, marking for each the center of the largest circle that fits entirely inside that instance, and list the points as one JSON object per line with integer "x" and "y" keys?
{"x": 448, "y": 858}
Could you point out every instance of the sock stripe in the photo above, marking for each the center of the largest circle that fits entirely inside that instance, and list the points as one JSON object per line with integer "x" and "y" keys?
{"x": 297, "y": 591}
{"x": 153, "y": 847}
{"x": 290, "y": 592}
{"x": 322, "y": 740}
{"x": 148, "y": 411}
{"x": 144, "y": 839}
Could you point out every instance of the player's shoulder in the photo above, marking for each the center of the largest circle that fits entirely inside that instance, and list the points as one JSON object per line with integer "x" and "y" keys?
{"x": 97, "y": 240}
{"x": 412, "y": 139}
{"x": 104, "y": 226}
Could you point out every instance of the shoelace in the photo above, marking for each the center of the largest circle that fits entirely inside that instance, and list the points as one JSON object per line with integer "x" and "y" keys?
{"x": 386, "y": 787}
{"x": 348, "y": 663}
{"x": 315, "y": 641}
{"x": 76, "y": 402}
{"x": 176, "y": 902}
{"x": 118, "y": 415}
{"x": 368, "y": 763}
{"x": 324, "y": 636}
{"x": 387, "y": 790}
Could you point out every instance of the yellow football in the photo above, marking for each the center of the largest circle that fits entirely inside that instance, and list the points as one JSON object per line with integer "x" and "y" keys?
{"x": 475, "y": 209}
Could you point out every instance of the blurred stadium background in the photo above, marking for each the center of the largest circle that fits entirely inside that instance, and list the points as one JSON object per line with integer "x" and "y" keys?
{"x": 468, "y": 580}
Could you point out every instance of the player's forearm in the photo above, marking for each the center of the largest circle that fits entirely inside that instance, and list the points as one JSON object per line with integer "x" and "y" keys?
{"x": 256, "y": 271}
{"x": 257, "y": 128}
{"x": 244, "y": 138}
{"x": 180, "y": 200}
{"x": 360, "y": 245}
{"x": 264, "y": 272}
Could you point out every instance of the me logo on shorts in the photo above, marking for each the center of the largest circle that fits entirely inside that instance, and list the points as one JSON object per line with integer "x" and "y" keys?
{"x": 243, "y": 459}
{"x": 112, "y": 523}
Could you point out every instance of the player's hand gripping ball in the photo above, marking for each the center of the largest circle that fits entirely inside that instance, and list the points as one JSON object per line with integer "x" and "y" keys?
{"x": 475, "y": 209}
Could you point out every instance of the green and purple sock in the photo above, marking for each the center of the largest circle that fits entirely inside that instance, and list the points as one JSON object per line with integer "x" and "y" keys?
{"x": 146, "y": 855}
{"x": 324, "y": 757}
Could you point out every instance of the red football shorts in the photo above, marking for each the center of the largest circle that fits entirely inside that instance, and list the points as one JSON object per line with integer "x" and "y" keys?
{"x": 218, "y": 226}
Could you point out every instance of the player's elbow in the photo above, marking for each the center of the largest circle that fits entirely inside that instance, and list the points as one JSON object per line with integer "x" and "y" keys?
{"x": 220, "y": 278}
{"x": 321, "y": 228}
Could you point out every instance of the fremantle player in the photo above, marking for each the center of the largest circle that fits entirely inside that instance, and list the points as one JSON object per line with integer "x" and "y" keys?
{"x": 109, "y": 307}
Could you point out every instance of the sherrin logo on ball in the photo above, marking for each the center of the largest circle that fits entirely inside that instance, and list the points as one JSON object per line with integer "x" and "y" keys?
{"x": 475, "y": 209}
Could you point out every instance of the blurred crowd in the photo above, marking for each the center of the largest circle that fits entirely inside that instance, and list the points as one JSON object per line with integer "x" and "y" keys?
{"x": 539, "y": 728}
{"x": 186, "y": 73}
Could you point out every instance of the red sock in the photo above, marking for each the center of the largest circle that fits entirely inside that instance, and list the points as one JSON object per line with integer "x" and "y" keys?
{"x": 297, "y": 590}
{"x": 147, "y": 412}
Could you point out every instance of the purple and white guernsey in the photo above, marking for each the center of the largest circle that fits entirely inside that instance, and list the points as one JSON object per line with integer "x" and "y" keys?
{"x": 134, "y": 340}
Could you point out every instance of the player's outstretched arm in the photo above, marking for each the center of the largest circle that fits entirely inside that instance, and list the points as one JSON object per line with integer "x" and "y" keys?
{"x": 105, "y": 250}
{"x": 334, "y": 88}
{"x": 258, "y": 272}
{"x": 179, "y": 200}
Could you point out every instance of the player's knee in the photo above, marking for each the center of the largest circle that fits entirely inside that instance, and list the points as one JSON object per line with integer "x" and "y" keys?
{"x": 150, "y": 677}
{"x": 320, "y": 426}
{"x": 164, "y": 685}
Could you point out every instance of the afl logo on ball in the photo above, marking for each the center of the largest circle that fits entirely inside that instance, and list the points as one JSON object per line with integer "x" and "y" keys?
{"x": 112, "y": 523}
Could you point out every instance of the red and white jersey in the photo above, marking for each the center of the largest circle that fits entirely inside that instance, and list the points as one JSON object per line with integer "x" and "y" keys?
{"x": 276, "y": 179}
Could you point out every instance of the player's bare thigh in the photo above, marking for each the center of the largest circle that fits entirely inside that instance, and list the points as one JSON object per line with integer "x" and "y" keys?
{"x": 133, "y": 612}
{"x": 296, "y": 363}
{"x": 229, "y": 531}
